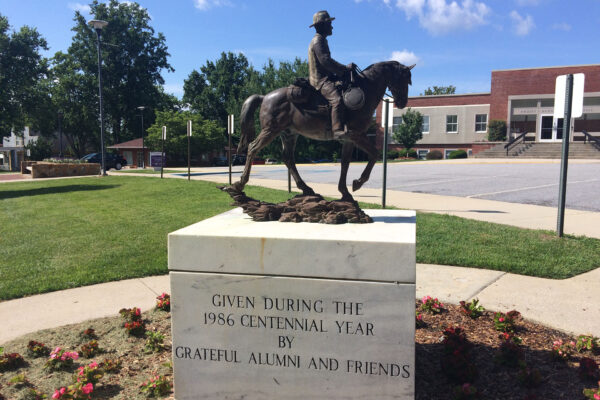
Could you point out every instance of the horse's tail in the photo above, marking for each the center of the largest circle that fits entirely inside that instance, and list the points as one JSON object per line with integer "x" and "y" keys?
{"x": 247, "y": 121}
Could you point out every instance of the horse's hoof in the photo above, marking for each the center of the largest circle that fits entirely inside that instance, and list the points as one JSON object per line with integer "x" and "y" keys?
{"x": 356, "y": 184}
{"x": 233, "y": 189}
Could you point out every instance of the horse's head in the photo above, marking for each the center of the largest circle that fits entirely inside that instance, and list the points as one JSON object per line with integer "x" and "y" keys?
{"x": 399, "y": 81}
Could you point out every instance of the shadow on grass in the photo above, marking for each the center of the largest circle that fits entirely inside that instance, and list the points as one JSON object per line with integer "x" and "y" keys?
{"x": 11, "y": 194}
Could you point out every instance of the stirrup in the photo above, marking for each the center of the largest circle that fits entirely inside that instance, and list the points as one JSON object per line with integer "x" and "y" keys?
{"x": 339, "y": 135}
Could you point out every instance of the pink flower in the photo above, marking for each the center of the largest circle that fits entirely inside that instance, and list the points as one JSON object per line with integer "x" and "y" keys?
{"x": 87, "y": 389}
{"x": 93, "y": 364}
{"x": 596, "y": 396}
{"x": 501, "y": 319}
{"x": 59, "y": 392}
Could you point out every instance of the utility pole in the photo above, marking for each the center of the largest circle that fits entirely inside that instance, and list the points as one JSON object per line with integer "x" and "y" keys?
{"x": 189, "y": 136}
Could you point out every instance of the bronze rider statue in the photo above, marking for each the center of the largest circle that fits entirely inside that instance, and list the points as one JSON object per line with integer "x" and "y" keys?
{"x": 324, "y": 71}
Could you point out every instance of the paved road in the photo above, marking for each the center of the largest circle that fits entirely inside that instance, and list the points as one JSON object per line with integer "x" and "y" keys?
{"x": 527, "y": 183}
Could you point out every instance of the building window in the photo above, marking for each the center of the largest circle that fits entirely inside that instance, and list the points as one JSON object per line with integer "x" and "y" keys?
{"x": 395, "y": 122}
{"x": 422, "y": 153}
{"x": 480, "y": 122}
{"x": 425, "y": 124}
{"x": 451, "y": 123}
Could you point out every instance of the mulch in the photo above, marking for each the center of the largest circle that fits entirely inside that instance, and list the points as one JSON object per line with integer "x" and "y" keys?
{"x": 559, "y": 379}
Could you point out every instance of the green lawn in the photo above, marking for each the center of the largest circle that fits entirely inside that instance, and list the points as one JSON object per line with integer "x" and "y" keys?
{"x": 67, "y": 233}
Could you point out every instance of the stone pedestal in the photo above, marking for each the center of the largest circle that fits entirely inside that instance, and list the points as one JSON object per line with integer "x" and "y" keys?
{"x": 274, "y": 310}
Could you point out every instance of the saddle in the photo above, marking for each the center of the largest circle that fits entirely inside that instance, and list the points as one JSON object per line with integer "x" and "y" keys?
{"x": 304, "y": 95}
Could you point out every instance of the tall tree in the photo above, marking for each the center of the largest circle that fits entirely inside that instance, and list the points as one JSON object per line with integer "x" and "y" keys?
{"x": 206, "y": 135}
{"x": 133, "y": 58}
{"x": 437, "y": 90}
{"x": 220, "y": 87}
{"x": 410, "y": 131}
{"x": 21, "y": 69}
{"x": 75, "y": 95}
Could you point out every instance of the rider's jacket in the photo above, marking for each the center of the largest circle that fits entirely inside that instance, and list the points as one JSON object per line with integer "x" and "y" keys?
{"x": 321, "y": 66}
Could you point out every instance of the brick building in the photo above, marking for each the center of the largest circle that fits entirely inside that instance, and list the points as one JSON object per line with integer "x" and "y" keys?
{"x": 133, "y": 151}
{"x": 523, "y": 98}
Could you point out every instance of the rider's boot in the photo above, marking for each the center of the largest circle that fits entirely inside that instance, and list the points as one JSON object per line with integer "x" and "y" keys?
{"x": 340, "y": 131}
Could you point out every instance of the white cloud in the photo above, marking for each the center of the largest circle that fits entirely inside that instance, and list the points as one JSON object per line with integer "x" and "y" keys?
{"x": 522, "y": 25}
{"x": 528, "y": 2}
{"x": 83, "y": 8}
{"x": 405, "y": 57}
{"x": 563, "y": 26}
{"x": 207, "y": 4}
{"x": 441, "y": 17}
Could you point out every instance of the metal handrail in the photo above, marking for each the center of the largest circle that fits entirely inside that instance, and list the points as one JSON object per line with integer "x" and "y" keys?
{"x": 509, "y": 144}
{"x": 591, "y": 138}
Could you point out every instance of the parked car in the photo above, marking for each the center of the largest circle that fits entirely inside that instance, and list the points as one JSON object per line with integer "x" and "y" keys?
{"x": 111, "y": 160}
{"x": 220, "y": 161}
{"x": 239, "y": 159}
{"x": 271, "y": 161}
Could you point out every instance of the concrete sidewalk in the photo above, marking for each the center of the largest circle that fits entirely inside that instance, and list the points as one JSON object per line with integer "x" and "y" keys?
{"x": 529, "y": 216}
{"x": 571, "y": 305}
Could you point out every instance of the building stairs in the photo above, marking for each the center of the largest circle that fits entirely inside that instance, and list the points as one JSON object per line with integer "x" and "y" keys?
{"x": 542, "y": 150}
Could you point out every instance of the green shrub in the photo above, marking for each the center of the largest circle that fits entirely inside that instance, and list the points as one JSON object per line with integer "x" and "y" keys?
{"x": 392, "y": 155}
{"x": 457, "y": 154}
{"x": 497, "y": 130}
{"x": 434, "y": 155}
{"x": 410, "y": 153}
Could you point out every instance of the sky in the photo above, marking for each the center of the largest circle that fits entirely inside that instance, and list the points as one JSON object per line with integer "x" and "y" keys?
{"x": 452, "y": 42}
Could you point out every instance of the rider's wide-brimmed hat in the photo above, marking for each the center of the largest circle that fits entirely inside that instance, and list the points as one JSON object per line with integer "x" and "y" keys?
{"x": 321, "y": 16}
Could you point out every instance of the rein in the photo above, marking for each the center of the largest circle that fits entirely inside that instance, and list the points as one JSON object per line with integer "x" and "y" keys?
{"x": 360, "y": 72}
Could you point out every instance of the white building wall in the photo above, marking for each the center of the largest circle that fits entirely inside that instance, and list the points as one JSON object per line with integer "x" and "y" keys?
{"x": 437, "y": 123}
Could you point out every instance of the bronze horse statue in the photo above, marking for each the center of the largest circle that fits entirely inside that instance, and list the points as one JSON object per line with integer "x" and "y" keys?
{"x": 281, "y": 116}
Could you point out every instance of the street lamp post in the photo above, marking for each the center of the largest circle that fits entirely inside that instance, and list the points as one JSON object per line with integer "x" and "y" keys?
{"x": 141, "y": 108}
{"x": 60, "y": 115}
{"x": 98, "y": 25}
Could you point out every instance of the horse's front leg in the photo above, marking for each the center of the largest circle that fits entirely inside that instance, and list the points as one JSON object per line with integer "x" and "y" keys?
{"x": 363, "y": 143}
{"x": 288, "y": 140}
{"x": 264, "y": 138}
{"x": 347, "y": 148}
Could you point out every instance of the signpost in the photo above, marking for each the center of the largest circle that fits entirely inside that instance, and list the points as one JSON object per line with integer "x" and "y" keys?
{"x": 189, "y": 136}
{"x": 385, "y": 119}
{"x": 162, "y": 152}
{"x": 230, "y": 128}
{"x": 568, "y": 102}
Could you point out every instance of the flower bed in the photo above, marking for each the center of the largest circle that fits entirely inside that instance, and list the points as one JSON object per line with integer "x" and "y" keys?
{"x": 457, "y": 357}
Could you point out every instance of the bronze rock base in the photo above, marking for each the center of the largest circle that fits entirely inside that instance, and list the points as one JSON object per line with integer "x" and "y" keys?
{"x": 300, "y": 209}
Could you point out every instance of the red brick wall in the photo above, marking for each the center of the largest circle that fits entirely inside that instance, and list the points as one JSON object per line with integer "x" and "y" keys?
{"x": 534, "y": 81}
{"x": 455, "y": 100}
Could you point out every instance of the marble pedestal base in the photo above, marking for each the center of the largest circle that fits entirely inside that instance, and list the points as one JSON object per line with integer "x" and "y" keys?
{"x": 294, "y": 311}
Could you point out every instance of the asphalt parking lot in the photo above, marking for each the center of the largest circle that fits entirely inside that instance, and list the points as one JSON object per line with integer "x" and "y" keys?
{"x": 531, "y": 182}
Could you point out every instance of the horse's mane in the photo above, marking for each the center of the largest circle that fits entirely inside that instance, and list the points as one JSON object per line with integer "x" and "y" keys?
{"x": 381, "y": 65}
